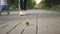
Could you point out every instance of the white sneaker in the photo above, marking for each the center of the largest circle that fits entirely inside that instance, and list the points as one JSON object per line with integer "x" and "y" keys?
{"x": 21, "y": 13}
{"x": 24, "y": 12}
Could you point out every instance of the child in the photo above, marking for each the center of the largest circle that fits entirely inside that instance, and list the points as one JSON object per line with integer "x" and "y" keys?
{"x": 4, "y": 6}
{"x": 23, "y": 4}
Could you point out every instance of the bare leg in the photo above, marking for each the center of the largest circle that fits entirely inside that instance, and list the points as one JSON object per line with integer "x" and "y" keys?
{"x": 0, "y": 13}
{"x": 7, "y": 12}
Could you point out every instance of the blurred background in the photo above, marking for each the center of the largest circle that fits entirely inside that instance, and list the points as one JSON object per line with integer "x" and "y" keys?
{"x": 36, "y": 4}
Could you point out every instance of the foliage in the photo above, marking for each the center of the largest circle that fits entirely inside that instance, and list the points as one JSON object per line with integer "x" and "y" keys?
{"x": 30, "y": 4}
{"x": 13, "y": 4}
{"x": 50, "y": 3}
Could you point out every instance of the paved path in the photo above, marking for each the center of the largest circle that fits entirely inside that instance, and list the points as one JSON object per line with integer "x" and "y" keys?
{"x": 40, "y": 22}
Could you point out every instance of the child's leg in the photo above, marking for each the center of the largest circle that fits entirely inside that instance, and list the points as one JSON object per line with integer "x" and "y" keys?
{"x": 25, "y": 4}
{"x": 7, "y": 9}
{"x": 1, "y": 9}
{"x": 21, "y": 7}
{"x": 0, "y": 13}
{"x": 8, "y": 12}
{"x": 21, "y": 4}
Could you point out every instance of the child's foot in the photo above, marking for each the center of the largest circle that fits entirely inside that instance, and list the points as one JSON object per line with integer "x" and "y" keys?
{"x": 21, "y": 13}
{"x": 24, "y": 13}
{"x": 8, "y": 13}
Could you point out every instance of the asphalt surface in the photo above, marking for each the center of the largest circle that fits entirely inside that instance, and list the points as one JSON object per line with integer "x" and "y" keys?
{"x": 39, "y": 22}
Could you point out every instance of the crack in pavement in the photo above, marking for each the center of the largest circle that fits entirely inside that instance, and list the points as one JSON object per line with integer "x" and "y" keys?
{"x": 4, "y": 26}
{"x": 15, "y": 26}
